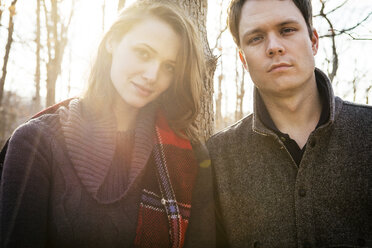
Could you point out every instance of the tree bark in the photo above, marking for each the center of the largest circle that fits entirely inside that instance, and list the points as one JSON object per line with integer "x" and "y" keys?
{"x": 38, "y": 48}
{"x": 1, "y": 10}
{"x": 7, "y": 48}
{"x": 57, "y": 41}
{"x": 197, "y": 9}
{"x": 240, "y": 92}
{"x": 103, "y": 15}
{"x": 121, "y": 4}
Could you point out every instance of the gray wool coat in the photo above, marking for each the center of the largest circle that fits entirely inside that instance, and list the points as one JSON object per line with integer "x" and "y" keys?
{"x": 265, "y": 200}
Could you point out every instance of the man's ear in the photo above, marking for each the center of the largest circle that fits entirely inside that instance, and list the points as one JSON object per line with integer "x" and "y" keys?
{"x": 242, "y": 59}
{"x": 315, "y": 42}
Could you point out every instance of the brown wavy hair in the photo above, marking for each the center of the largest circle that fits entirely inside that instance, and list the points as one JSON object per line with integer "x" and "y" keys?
{"x": 234, "y": 13}
{"x": 181, "y": 101}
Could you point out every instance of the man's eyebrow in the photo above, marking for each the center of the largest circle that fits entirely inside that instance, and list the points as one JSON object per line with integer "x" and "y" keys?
{"x": 259, "y": 30}
{"x": 288, "y": 22}
{"x": 253, "y": 31}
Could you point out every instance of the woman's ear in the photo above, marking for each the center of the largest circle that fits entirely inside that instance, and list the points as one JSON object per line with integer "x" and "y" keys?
{"x": 109, "y": 44}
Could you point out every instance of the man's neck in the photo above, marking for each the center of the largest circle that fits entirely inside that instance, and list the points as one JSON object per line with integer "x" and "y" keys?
{"x": 297, "y": 114}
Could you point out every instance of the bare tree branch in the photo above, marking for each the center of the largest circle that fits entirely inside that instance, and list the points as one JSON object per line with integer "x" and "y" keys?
{"x": 333, "y": 10}
{"x": 221, "y": 31}
{"x": 356, "y": 25}
{"x": 219, "y": 37}
{"x": 8, "y": 45}
{"x": 331, "y": 74}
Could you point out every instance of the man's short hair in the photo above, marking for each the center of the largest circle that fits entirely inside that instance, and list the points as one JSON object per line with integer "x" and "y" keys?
{"x": 235, "y": 9}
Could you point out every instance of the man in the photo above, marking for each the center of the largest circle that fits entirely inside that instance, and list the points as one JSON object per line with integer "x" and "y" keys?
{"x": 298, "y": 171}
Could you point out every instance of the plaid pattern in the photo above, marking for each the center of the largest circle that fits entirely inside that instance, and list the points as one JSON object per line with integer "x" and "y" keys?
{"x": 163, "y": 217}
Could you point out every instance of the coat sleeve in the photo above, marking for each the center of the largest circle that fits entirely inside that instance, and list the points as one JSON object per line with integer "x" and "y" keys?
{"x": 201, "y": 230}
{"x": 24, "y": 189}
{"x": 221, "y": 236}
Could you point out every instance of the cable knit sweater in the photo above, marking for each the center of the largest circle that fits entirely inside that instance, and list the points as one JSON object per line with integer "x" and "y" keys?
{"x": 66, "y": 183}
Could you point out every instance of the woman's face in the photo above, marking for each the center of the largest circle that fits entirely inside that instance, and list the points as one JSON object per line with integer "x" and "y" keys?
{"x": 144, "y": 61}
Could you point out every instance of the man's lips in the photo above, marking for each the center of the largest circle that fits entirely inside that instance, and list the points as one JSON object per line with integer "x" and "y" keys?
{"x": 278, "y": 67}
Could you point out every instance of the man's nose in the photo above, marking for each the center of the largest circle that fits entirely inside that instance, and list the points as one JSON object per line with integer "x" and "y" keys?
{"x": 274, "y": 46}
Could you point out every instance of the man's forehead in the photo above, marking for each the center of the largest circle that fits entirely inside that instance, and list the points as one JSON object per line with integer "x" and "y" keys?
{"x": 262, "y": 11}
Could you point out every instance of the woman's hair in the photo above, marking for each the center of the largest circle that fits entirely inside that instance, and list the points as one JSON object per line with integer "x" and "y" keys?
{"x": 181, "y": 101}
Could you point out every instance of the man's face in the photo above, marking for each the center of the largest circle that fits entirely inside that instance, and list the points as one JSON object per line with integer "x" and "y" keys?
{"x": 278, "y": 51}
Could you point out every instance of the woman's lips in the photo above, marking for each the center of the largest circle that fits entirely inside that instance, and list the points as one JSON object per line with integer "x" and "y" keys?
{"x": 143, "y": 91}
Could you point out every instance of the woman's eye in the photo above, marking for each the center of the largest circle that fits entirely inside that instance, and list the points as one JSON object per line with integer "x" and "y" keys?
{"x": 169, "y": 68}
{"x": 143, "y": 54}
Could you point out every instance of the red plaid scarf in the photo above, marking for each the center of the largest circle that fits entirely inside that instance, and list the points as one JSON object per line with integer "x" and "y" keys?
{"x": 163, "y": 219}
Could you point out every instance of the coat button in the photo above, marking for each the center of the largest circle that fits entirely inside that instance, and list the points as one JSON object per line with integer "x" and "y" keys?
{"x": 307, "y": 245}
{"x": 302, "y": 192}
{"x": 312, "y": 143}
{"x": 361, "y": 242}
{"x": 256, "y": 244}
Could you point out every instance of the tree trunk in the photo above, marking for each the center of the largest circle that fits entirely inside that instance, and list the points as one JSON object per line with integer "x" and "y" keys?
{"x": 7, "y": 48}
{"x": 197, "y": 9}
{"x": 103, "y": 15}
{"x": 240, "y": 92}
{"x": 38, "y": 47}
{"x": 57, "y": 41}
{"x": 121, "y": 4}
{"x": 367, "y": 93}
{"x": 1, "y": 10}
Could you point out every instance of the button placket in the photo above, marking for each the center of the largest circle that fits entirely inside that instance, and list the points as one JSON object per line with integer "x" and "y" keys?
{"x": 302, "y": 192}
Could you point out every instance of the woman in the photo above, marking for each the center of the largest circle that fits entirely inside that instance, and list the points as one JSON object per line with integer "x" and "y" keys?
{"x": 116, "y": 167}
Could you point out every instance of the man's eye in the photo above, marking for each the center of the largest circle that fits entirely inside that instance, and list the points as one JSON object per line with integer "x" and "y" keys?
{"x": 287, "y": 30}
{"x": 255, "y": 39}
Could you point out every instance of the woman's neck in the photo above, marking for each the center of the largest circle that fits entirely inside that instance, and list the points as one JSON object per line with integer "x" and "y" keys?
{"x": 125, "y": 115}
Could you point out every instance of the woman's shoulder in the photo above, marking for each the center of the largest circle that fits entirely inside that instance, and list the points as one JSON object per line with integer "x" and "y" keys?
{"x": 43, "y": 125}
{"x": 45, "y": 122}
{"x": 35, "y": 134}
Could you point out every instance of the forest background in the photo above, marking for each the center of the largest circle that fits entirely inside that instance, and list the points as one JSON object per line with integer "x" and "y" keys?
{"x": 46, "y": 47}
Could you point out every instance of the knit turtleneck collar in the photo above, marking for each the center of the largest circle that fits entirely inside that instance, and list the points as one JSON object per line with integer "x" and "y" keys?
{"x": 91, "y": 142}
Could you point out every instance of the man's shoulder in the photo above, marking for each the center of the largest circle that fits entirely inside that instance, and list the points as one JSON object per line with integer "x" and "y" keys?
{"x": 356, "y": 111}
{"x": 230, "y": 134}
{"x": 353, "y": 118}
{"x": 357, "y": 106}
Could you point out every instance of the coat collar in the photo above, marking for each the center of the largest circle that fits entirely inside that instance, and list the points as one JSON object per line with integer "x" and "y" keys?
{"x": 91, "y": 141}
{"x": 334, "y": 105}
